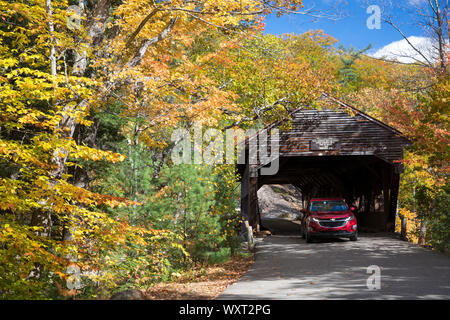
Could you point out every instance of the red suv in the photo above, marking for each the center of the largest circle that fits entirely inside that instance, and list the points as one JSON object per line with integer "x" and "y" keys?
{"x": 328, "y": 217}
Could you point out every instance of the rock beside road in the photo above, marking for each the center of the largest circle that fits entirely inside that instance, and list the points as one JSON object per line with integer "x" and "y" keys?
{"x": 280, "y": 201}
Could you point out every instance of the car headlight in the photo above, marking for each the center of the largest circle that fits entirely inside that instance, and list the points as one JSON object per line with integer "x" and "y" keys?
{"x": 350, "y": 218}
{"x": 315, "y": 219}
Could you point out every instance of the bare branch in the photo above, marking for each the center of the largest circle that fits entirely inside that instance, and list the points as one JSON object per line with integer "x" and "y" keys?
{"x": 147, "y": 43}
{"x": 390, "y": 22}
{"x": 259, "y": 112}
{"x": 141, "y": 25}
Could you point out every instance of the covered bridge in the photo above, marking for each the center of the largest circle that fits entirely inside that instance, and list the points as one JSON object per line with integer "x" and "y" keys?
{"x": 337, "y": 151}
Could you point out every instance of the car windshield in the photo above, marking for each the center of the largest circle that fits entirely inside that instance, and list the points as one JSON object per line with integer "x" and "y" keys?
{"x": 328, "y": 205}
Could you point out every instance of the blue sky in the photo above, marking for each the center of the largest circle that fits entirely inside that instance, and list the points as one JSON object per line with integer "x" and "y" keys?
{"x": 351, "y": 29}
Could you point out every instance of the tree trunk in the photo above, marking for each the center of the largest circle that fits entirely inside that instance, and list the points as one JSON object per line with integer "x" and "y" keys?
{"x": 403, "y": 230}
{"x": 423, "y": 231}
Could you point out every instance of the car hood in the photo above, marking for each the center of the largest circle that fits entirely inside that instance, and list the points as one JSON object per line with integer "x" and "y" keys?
{"x": 330, "y": 215}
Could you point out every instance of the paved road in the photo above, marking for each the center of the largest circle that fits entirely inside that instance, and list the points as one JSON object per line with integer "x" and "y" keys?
{"x": 286, "y": 267}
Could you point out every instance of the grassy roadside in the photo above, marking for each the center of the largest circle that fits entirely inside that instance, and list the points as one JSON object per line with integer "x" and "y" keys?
{"x": 202, "y": 283}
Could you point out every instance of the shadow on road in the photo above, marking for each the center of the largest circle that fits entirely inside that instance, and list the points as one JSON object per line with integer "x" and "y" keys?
{"x": 279, "y": 226}
{"x": 286, "y": 267}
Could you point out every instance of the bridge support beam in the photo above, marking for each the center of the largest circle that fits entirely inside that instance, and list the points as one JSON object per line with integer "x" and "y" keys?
{"x": 252, "y": 204}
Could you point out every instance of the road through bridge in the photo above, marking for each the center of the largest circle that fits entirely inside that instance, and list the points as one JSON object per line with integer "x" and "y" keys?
{"x": 286, "y": 267}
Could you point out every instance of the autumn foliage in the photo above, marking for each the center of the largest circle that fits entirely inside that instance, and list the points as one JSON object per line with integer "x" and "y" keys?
{"x": 87, "y": 111}
{"x": 142, "y": 56}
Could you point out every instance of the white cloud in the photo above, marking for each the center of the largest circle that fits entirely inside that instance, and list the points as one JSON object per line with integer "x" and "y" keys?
{"x": 403, "y": 52}
{"x": 416, "y": 2}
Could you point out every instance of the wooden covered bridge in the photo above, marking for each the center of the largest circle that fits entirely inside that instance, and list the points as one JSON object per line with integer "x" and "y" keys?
{"x": 337, "y": 151}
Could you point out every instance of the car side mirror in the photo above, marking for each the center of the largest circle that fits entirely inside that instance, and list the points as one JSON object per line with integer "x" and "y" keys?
{"x": 352, "y": 209}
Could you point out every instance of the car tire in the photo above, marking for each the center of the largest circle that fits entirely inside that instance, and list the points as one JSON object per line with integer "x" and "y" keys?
{"x": 354, "y": 238}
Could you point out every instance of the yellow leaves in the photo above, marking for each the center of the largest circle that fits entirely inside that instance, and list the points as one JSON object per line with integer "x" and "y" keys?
{"x": 31, "y": 117}
{"x": 61, "y": 274}
{"x": 16, "y": 152}
{"x": 8, "y": 62}
{"x": 83, "y": 152}
{"x": 412, "y": 224}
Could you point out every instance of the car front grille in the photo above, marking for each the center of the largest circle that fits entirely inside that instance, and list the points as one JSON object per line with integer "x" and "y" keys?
{"x": 333, "y": 223}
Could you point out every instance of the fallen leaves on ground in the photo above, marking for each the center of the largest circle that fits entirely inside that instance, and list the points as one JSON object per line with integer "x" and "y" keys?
{"x": 205, "y": 283}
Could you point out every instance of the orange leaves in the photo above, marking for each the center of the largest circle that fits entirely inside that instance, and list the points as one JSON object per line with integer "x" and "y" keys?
{"x": 112, "y": 202}
{"x": 175, "y": 80}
